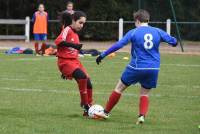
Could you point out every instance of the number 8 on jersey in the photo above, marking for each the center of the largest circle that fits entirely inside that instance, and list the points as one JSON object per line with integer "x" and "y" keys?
{"x": 148, "y": 44}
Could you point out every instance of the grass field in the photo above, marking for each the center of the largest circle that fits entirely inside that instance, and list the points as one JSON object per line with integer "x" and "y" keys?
{"x": 34, "y": 100}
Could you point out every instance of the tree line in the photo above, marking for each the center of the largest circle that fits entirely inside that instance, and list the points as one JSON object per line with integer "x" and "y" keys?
{"x": 106, "y": 10}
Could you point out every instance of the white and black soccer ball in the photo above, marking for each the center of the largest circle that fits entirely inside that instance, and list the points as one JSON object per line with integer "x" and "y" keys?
{"x": 95, "y": 109}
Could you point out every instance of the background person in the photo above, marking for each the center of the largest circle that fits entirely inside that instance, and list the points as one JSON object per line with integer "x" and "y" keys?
{"x": 40, "y": 20}
{"x": 70, "y": 7}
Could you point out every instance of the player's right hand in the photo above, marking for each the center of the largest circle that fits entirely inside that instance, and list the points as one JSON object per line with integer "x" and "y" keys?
{"x": 99, "y": 59}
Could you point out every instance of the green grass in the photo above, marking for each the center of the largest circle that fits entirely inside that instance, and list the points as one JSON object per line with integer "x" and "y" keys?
{"x": 34, "y": 100}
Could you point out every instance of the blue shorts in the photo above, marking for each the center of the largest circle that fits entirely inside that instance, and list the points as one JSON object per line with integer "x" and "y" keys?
{"x": 147, "y": 78}
{"x": 40, "y": 37}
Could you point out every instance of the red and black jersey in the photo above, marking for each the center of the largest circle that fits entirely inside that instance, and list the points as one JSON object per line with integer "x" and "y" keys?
{"x": 70, "y": 36}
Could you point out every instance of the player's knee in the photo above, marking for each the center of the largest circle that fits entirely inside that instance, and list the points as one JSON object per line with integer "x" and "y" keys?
{"x": 118, "y": 90}
{"x": 120, "y": 87}
{"x": 89, "y": 84}
{"x": 145, "y": 91}
{"x": 79, "y": 74}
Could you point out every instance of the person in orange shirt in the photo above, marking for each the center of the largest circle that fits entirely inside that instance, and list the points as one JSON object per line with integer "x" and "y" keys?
{"x": 40, "y": 20}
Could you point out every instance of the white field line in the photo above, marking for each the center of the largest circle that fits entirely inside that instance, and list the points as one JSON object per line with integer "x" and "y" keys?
{"x": 94, "y": 82}
{"x": 102, "y": 83}
{"x": 97, "y": 93}
{"x": 93, "y": 61}
{"x": 182, "y": 65}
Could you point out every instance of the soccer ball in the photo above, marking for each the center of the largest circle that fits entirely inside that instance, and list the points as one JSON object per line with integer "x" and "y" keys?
{"x": 95, "y": 109}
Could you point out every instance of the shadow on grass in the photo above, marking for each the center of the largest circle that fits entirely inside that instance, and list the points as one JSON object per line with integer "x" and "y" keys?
{"x": 32, "y": 114}
{"x": 74, "y": 115}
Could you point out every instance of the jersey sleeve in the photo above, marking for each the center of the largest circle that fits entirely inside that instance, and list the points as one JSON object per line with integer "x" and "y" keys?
{"x": 121, "y": 43}
{"x": 167, "y": 38}
{"x": 63, "y": 36}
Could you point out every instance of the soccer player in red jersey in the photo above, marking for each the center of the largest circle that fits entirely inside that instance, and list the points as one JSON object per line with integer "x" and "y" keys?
{"x": 68, "y": 47}
{"x": 40, "y": 20}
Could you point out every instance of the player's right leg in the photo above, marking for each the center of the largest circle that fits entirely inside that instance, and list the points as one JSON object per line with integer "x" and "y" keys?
{"x": 43, "y": 38}
{"x": 36, "y": 44}
{"x": 115, "y": 96}
{"x": 126, "y": 80}
{"x": 113, "y": 99}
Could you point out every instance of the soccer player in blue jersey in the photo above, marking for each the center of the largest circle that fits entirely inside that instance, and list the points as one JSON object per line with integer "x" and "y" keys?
{"x": 144, "y": 65}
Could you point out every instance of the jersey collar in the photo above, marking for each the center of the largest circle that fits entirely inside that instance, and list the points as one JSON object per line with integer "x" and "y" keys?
{"x": 73, "y": 29}
{"x": 144, "y": 24}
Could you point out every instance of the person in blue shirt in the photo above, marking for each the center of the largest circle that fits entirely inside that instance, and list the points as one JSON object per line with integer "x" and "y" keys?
{"x": 144, "y": 65}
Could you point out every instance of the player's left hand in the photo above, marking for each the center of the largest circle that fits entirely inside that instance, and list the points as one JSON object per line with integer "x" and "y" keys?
{"x": 63, "y": 77}
{"x": 99, "y": 59}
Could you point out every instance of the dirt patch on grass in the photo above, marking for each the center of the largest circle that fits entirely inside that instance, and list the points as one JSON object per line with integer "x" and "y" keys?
{"x": 190, "y": 48}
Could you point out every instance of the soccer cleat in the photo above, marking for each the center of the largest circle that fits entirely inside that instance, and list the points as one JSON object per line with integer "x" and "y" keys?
{"x": 46, "y": 55}
{"x": 85, "y": 114}
{"x": 38, "y": 55}
{"x": 85, "y": 109}
{"x": 103, "y": 115}
{"x": 140, "y": 120}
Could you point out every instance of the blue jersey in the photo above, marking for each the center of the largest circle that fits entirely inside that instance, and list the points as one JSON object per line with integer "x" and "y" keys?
{"x": 145, "y": 41}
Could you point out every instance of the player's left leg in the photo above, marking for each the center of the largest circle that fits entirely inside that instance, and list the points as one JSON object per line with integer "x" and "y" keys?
{"x": 43, "y": 47}
{"x": 81, "y": 79}
{"x": 89, "y": 92}
{"x": 144, "y": 101}
{"x": 149, "y": 82}
{"x": 143, "y": 104}
{"x": 89, "y": 85}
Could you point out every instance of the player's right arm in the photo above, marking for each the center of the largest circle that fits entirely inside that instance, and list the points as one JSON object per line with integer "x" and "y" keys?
{"x": 33, "y": 18}
{"x": 121, "y": 43}
{"x": 167, "y": 38}
{"x": 61, "y": 40}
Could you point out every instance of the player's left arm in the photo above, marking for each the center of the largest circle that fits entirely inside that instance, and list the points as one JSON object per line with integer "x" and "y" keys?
{"x": 167, "y": 38}
{"x": 47, "y": 17}
{"x": 121, "y": 43}
{"x": 68, "y": 44}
